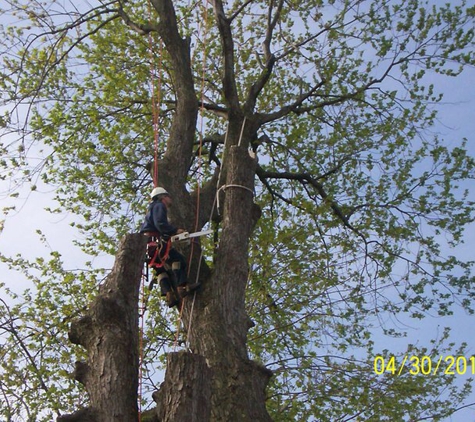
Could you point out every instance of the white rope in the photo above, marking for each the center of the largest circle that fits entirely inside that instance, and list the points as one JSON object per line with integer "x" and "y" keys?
{"x": 242, "y": 131}
{"x": 187, "y": 344}
{"x": 224, "y": 187}
{"x": 215, "y": 203}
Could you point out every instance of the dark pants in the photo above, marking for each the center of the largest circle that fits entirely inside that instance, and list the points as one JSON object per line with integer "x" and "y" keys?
{"x": 175, "y": 260}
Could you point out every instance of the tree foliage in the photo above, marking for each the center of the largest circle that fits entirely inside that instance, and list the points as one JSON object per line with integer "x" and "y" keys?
{"x": 362, "y": 205}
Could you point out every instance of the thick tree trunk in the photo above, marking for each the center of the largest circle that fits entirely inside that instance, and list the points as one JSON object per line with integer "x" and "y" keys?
{"x": 216, "y": 381}
{"x": 185, "y": 394}
{"x": 109, "y": 331}
{"x": 219, "y": 323}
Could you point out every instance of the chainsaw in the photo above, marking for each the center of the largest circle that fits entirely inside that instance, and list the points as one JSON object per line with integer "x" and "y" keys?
{"x": 186, "y": 236}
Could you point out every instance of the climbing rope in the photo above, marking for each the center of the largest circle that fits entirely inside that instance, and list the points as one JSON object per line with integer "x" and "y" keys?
{"x": 198, "y": 185}
{"x": 156, "y": 89}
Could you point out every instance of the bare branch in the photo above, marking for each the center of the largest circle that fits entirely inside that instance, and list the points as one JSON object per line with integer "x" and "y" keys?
{"x": 306, "y": 178}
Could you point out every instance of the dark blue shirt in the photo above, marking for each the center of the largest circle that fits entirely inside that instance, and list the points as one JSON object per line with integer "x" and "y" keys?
{"x": 156, "y": 220}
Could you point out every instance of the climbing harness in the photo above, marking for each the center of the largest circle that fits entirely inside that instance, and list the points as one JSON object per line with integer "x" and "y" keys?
{"x": 158, "y": 250}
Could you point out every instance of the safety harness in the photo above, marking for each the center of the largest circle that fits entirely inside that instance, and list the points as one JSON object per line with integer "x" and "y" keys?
{"x": 156, "y": 254}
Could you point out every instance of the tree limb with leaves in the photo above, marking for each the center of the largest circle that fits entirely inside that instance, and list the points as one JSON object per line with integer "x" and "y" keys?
{"x": 334, "y": 198}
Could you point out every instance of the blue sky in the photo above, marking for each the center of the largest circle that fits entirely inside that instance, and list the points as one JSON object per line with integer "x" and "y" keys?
{"x": 457, "y": 120}
{"x": 19, "y": 234}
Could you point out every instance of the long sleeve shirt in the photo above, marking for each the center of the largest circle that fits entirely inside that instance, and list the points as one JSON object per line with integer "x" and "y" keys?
{"x": 156, "y": 220}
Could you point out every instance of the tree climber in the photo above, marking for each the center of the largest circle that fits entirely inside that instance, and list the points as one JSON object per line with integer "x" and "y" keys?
{"x": 160, "y": 252}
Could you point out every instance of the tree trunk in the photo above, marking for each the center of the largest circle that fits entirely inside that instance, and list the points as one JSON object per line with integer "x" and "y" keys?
{"x": 185, "y": 393}
{"x": 216, "y": 381}
{"x": 219, "y": 323}
{"x": 110, "y": 331}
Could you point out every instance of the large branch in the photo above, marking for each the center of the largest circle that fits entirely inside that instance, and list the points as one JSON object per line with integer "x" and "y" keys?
{"x": 260, "y": 83}
{"x": 182, "y": 132}
{"x": 229, "y": 81}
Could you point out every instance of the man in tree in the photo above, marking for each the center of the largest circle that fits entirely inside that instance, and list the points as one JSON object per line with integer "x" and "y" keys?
{"x": 159, "y": 230}
{"x": 352, "y": 175}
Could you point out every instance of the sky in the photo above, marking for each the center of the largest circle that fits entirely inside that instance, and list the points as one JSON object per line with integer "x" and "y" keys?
{"x": 457, "y": 120}
{"x": 20, "y": 230}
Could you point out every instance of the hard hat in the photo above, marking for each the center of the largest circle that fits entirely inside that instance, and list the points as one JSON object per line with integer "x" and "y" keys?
{"x": 158, "y": 191}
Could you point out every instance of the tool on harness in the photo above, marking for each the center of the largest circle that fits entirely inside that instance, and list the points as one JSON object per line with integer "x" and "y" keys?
{"x": 158, "y": 249}
{"x": 173, "y": 283}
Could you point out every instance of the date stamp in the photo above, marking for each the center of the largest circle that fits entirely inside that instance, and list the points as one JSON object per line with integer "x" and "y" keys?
{"x": 425, "y": 365}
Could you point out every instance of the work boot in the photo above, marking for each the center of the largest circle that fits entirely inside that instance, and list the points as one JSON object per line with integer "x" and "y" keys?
{"x": 182, "y": 291}
{"x": 164, "y": 283}
{"x": 186, "y": 289}
{"x": 152, "y": 283}
{"x": 171, "y": 299}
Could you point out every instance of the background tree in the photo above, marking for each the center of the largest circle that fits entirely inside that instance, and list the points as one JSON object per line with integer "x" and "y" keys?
{"x": 348, "y": 210}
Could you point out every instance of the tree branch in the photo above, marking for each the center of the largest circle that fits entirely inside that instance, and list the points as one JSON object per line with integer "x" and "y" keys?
{"x": 294, "y": 107}
{"x": 306, "y": 178}
{"x": 180, "y": 143}
{"x": 229, "y": 81}
{"x": 140, "y": 29}
{"x": 259, "y": 85}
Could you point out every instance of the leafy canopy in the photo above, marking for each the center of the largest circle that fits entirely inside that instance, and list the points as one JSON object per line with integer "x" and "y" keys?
{"x": 363, "y": 206}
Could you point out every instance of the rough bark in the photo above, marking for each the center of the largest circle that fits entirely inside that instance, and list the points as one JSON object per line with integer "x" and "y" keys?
{"x": 185, "y": 393}
{"x": 109, "y": 332}
{"x": 216, "y": 380}
{"x": 219, "y": 323}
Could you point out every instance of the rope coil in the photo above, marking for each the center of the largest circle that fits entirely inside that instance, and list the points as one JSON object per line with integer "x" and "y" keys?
{"x": 224, "y": 187}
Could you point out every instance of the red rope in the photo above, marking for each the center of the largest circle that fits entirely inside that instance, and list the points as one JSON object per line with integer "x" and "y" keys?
{"x": 156, "y": 100}
{"x": 198, "y": 188}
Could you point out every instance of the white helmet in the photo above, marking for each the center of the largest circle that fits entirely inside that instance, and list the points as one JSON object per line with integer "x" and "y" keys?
{"x": 158, "y": 191}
